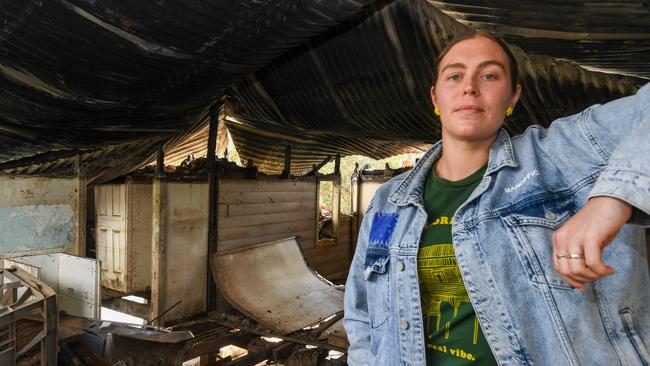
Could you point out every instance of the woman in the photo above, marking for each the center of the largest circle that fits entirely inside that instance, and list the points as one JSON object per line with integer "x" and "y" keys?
{"x": 493, "y": 250}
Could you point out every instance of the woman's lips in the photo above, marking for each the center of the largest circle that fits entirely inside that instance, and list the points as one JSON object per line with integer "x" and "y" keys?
{"x": 469, "y": 108}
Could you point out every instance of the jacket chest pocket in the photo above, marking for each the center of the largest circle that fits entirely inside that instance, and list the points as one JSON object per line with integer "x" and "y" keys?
{"x": 635, "y": 338}
{"x": 378, "y": 289}
{"x": 531, "y": 232}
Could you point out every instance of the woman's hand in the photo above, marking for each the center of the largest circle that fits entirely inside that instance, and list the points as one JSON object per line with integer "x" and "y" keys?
{"x": 579, "y": 243}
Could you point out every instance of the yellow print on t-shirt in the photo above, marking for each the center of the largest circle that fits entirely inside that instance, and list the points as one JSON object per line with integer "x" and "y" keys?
{"x": 440, "y": 220}
{"x": 441, "y": 282}
{"x": 456, "y": 352}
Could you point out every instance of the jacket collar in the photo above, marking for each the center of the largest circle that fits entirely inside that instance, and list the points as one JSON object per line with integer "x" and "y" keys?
{"x": 501, "y": 153}
{"x": 410, "y": 190}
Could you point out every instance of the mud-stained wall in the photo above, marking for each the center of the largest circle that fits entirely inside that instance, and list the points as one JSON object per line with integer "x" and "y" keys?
{"x": 185, "y": 234}
{"x": 258, "y": 211}
{"x": 331, "y": 258}
{"x": 263, "y": 210}
{"x": 38, "y": 215}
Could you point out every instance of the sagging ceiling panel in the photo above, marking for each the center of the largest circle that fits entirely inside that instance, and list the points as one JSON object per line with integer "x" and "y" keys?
{"x": 371, "y": 84}
{"x": 99, "y": 85}
{"x": 78, "y": 77}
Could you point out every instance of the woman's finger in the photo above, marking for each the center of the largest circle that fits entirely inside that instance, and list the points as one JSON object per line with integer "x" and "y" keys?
{"x": 577, "y": 266}
{"x": 560, "y": 249}
{"x": 593, "y": 260}
{"x": 575, "y": 284}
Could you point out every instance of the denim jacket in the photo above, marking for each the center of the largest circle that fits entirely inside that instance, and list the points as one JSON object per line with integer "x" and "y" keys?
{"x": 502, "y": 238}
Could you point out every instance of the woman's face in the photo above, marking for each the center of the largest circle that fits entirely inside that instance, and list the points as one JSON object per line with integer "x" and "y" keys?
{"x": 473, "y": 90}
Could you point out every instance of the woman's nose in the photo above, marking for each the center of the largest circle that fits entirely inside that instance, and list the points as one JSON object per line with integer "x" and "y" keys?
{"x": 470, "y": 87}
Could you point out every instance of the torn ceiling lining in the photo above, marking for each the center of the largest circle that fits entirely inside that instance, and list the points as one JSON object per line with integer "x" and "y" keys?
{"x": 107, "y": 82}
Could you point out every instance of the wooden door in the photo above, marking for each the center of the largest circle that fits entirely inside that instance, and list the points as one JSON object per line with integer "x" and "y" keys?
{"x": 111, "y": 216}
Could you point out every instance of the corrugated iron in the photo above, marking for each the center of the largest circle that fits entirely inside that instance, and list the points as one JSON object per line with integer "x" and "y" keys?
{"x": 107, "y": 82}
{"x": 74, "y": 72}
{"x": 365, "y": 89}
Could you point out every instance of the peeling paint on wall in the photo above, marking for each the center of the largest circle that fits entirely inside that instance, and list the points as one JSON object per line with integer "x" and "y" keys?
{"x": 35, "y": 227}
{"x": 38, "y": 215}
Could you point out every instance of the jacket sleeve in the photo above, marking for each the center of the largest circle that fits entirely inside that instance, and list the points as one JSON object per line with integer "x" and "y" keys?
{"x": 620, "y": 133}
{"x": 356, "y": 320}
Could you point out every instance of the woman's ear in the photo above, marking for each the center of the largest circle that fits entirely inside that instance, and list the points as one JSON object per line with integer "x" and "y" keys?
{"x": 433, "y": 95}
{"x": 515, "y": 97}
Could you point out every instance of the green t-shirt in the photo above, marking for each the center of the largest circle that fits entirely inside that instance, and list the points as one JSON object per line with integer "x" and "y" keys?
{"x": 451, "y": 328}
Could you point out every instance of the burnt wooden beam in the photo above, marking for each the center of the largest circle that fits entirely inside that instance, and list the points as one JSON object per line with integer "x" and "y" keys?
{"x": 79, "y": 248}
{"x": 204, "y": 344}
{"x": 336, "y": 196}
{"x": 160, "y": 162}
{"x": 337, "y": 165}
{"x": 128, "y": 307}
{"x": 213, "y": 206}
{"x": 251, "y": 171}
{"x": 289, "y": 338}
{"x": 254, "y": 358}
{"x": 286, "y": 173}
{"x": 318, "y": 167}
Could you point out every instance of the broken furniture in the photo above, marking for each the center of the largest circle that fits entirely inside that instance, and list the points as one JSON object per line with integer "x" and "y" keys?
{"x": 109, "y": 343}
{"x": 75, "y": 280}
{"x": 28, "y": 320}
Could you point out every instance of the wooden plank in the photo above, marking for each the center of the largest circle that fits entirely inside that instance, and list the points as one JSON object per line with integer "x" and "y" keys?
{"x": 344, "y": 230}
{"x": 213, "y": 207}
{"x": 262, "y": 185}
{"x": 336, "y": 199}
{"x": 263, "y": 197}
{"x": 331, "y": 268}
{"x": 263, "y": 219}
{"x": 232, "y": 210}
{"x": 305, "y": 239}
{"x": 288, "y": 228}
{"x": 208, "y": 344}
{"x": 79, "y": 248}
{"x": 328, "y": 260}
{"x": 158, "y": 248}
{"x": 330, "y": 252}
{"x": 128, "y": 307}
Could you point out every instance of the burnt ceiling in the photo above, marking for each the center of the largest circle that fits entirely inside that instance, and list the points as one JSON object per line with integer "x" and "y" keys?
{"x": 100, "y": 85}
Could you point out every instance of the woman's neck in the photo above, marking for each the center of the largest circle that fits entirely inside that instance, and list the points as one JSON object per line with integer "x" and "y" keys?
{"x": 460, "y": 159}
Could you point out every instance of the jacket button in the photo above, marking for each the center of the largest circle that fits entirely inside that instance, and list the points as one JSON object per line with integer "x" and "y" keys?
{"x": 403, "y": 324}
{"x": 400, "y": 266}
{"x": 550, "y": 216}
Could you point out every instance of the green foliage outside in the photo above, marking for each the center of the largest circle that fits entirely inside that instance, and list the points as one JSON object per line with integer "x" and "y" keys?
{"x": 347, "y": 169}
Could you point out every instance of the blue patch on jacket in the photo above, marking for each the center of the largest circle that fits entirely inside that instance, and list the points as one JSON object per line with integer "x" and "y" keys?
{"x": 381, "y": 230}
{"x": 383, "y": 226}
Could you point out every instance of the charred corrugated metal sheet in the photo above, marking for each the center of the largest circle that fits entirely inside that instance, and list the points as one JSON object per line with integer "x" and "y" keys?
{"x": 265, "y": 144}
{"x": 104, "y": 83}
{"x": 609, "y": 36}
{"x": 77, "y": 73}
{"x": 368, "y": 86}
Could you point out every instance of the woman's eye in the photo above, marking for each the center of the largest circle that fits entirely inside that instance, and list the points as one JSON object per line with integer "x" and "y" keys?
{"x": 454, "y": 77}
{"x": 489, "y": 76}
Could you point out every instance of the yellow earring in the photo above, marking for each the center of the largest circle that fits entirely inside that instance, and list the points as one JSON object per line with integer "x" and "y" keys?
{"x": 509, "y": 112}
{"x": 436, "y": 111}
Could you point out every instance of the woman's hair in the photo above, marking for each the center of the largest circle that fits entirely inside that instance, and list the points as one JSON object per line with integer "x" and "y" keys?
{"x": 514, "y": 75}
